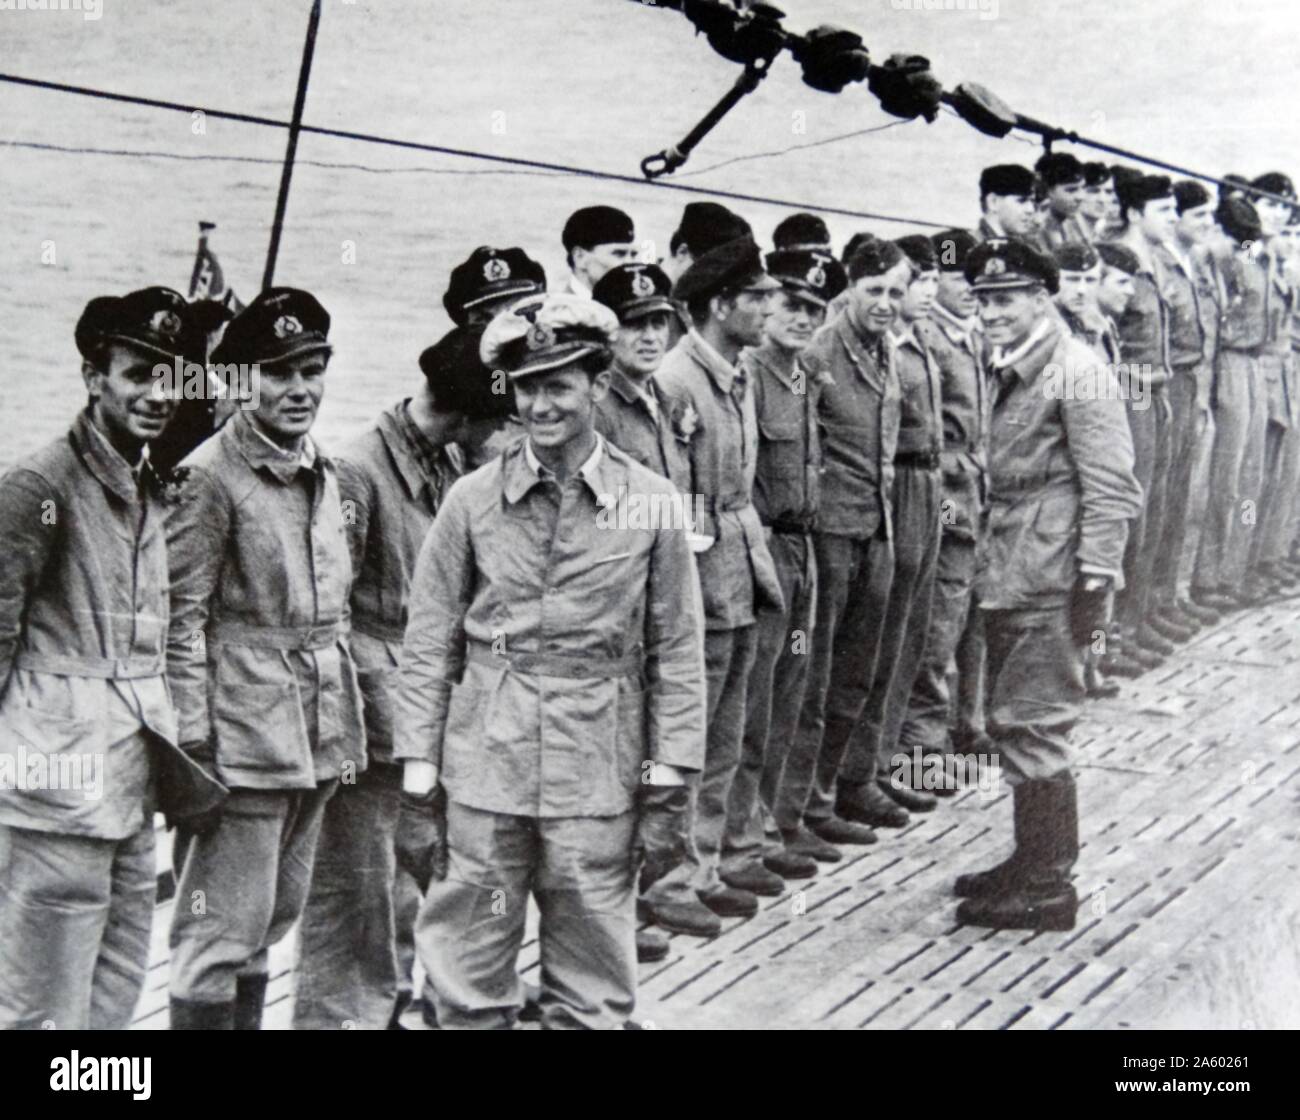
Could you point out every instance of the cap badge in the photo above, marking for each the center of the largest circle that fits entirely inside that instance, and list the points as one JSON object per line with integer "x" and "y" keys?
{"x": 166, "y": 323}
{"x": 540, "y": 336}
{"x": 495, "y": 269}
{"x": 994, "y": 266}
{"x": 642, "y": 285}
{"x": 816, "y": 276}
{"x": 286, "y": 326}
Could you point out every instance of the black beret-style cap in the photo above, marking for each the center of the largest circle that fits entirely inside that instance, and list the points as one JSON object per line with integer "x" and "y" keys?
{"x": 873, "y": 257}
{"x": 280, "y": 323}
{"x": 1075, "y": 256}
{"x": 737, "y": 264}
{"x": 459, "y": 378}
{"x": 596, "y": 225}
{"x": 1239, "y": 219}
{"x": 1275, "y": 182}
{"x": 952, "y": 247}
{"x": 1115, "y": 255}
{"x": 1096, "y": 173}
{"x": 705, "y": 226}
{"x": 1008, "y": 179}
{"x": 489, "y": 274}
{"x": 808, "y": 273}
{"x": 1136, "y": 191}
{"x": 801, "y": 231}
{"x": 1006, "y": 262}
{"x": 919, "y": 250}
{"x": 1055, "y": 168}
{"x": 157, "y": 321}
{"x": 634, "y": 290}
{"x": 1189, "y": 194}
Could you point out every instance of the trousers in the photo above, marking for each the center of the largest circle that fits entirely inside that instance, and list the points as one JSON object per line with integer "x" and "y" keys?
{"x": 471, "y": 925}
{"x": 776, "y": 690}
{"x": 359, "y": 914}
{"x": 1151, "y": 423}
{"x": 241, "y": 887}
{"x": 75, "y": 916}
{"x": 1218, "y": 559}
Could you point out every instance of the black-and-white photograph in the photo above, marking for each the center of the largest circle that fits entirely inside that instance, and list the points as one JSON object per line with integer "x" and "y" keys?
{"x": 651, "y": 515}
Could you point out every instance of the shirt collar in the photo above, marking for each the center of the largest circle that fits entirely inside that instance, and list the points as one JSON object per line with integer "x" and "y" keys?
{"x": 578, "y": 288}
{"x": 106, "y": 462}
{"x": 775, "y": 362}
{"x": 523, "y": 470}
{"x": 645, "y": 394}
{"x": 261, "y": 451}
{"x": 906, "y": 336}
{"x": 962, "y": 332}
{"x": 1017, "y": 359}
{"x": 718, "y": 368}
{"x": 418, "y": 460}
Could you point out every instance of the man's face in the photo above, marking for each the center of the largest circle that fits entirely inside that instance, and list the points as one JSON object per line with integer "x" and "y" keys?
{"x": 1066, "y": 198}
{"x": 1157, "y": 221}
{"x": 1273, "y": 216}
{"x": 793, "y": 321}
{"x": 1078, "y": 291}
{"x": 1009, "y": 314}
{"x": 642, "y": 343}
{"x": 878, "y": 299}
{"x": 557, "y": 406}
{"x": 1096, "y": 200}
{"x": 955, "y": 295}
{"x": 127, "y": 406}
{"x": 291, "y": 393}
{"x": 1015, "y": 213}
{"x": 745, "y": 314}
{"x": 919, "y": 300}
{"x": 1194, "y": 225}
{"x": 1115, "y": 292}
{"x": 589, "y": 265}
{"x": 1288, "y": 242}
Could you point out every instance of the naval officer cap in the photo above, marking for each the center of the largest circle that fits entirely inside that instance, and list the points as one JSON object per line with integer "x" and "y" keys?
{"x": 1008, "y": 179}
{"x": 1006, "y": 262}
{"x": 280, "y": 323}
{"x": 596, "y": 225}
{"x": 815, "y": 276}
{"x": 1075, "y": 256}
{"x": 705, "y": 226}
{"x": 634, "y": 290}
{"x": 547, "y": 331}
{"x": 488, "y": 274}
{"x": 156, "y": 321}
{"x": 737, "y": 264}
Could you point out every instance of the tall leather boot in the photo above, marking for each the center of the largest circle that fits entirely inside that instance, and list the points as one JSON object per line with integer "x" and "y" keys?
{"x": 1041, "y": 896}
{"x": 189, "y": 1015}
{"x": 1002, "y": 876}
{"x": 250, "y": 996}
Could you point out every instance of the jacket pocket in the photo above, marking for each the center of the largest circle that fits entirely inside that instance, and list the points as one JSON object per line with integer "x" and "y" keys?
{"x": 1052, "y": 543}
{"x": 259, "y": 727}
{"x": 463, "y": 764}
{"x": 781, "y": 450}
{"x": 58, "y": 762}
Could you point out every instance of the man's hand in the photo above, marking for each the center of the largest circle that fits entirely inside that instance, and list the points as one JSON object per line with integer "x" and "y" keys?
{"x": 199, "y": 818}
{"x": 421, "y": 837}
{"x": 661, "y": 842}
{"x": 1089, "y": 608}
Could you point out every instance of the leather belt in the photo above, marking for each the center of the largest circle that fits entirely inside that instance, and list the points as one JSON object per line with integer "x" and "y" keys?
{"x": 275, "y": 637}
{"x": 101, "y": 668}
{"x": 573, "y": 666}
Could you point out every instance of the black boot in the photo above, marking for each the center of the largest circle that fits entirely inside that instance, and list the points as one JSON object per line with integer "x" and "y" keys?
{"x": 250, "y": 995}
{"x": 1002, "y": 876}
{"x": 188, "y": 1015}
{"x": 1041, "y": 897}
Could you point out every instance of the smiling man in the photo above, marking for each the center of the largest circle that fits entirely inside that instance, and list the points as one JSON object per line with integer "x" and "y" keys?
{"x": 1061, "y": 493}
{"x": 83, "y": 619}
{"x": 550, "y": 699}
{"x": 259, "y": 666}
{"x": 859, "y": 411}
